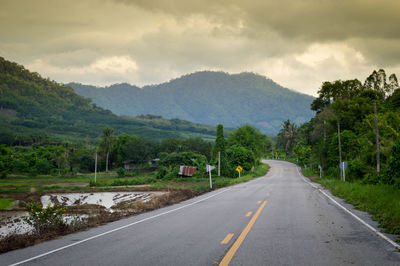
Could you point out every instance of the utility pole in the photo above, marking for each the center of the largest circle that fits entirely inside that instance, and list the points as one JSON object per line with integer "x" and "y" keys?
{"x": 95, "y": 168}
{"x": 378, "y": 166}
{"x": 219, "y": 163}
{"x": 340, "y": 149}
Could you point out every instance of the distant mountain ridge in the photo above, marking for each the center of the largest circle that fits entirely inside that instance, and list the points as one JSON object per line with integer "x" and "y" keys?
{"x": 34, "y": 107}
{"x": 209, "y": 98}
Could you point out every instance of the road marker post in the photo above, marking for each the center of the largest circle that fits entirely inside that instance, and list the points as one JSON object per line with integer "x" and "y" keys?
{"x": 343, "y": 167}
{"x": 209, "y": 168}
{"x": 320, "y": 171}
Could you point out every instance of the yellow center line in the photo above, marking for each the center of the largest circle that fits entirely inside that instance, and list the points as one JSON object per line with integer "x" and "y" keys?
{"x": 258, "y": 202}
{"x": 232, "y": 251}
{"x": 248, "y": 214}
{"x": 227, "y": 239}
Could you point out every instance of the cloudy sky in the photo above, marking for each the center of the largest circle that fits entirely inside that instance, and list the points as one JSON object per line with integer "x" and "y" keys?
{"x": 298, "y": 44}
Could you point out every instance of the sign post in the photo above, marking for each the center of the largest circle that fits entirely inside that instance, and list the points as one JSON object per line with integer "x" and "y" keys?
{"x": 209, "y": 168}
{"x": 320, "y": 171}
{"x": 239, "y": 169}
{"x": 343, "y": 167}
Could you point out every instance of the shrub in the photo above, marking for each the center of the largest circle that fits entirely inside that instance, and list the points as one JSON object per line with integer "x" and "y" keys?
{"x": 43, "y": 166}
{"x": 161, "y": 172}
{"x": 44, "y": 219}
{"x": 172, "y": 174}
{"x": 86, "y": 163}
{"x": 239, "y": 155}
{"x": 121, "y": 172}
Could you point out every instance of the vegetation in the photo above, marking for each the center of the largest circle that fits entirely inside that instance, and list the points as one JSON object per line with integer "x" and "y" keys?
{"x": 6, "y": 203}
{"x": 106, "y": 142}
{"x": 208, "y": 98}
{"x": 44, "y": 219}
{"x": 346, "y": 108}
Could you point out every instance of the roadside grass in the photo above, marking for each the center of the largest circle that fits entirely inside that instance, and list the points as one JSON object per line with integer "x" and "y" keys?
{"x": 381, "y": 201}
{"x": 202, "y": 185}
{"x": 6, "y": 203}
{"x": 309, "y": 172}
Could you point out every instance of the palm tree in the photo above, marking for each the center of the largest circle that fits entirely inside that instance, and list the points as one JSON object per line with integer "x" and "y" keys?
{"x": 290, "y": 136}
{"x": 287, "y": 136}
{"x": 106, "y": 142}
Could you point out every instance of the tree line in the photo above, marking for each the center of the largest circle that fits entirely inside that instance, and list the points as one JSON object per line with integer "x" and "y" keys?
{"x": 244, "y": 146}
{"x": 363, "y": 119}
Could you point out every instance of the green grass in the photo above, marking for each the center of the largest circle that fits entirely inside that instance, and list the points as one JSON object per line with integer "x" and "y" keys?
{"x": 48, "y": 183}
{"x": 6, "y": 203}
{"x": 202, "y": 185}
{"x": 382, "y": 201}
{"x": 308, "y": 172}
{"x": 140, "y": 180}
{"x": 16, "y": 184}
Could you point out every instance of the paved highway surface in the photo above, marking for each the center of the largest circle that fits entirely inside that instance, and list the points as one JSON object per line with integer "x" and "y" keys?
{"x": 279, "y": 219}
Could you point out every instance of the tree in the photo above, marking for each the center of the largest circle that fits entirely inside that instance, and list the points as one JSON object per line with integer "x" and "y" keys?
{"x": 220, "y": 141}
{"x": 58, "y": 157}
{"x": 239, "y": 155}
{"x": 106, "y": 142}
{"x": 331, "y": 91}
{"x": 136, "y": 149}
{"x": 392, "y": 174}
{"x": 287, "y": 136}
{"x": 251, "y": 138}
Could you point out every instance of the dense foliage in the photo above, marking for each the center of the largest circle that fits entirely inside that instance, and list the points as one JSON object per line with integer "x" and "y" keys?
{"x": 209, "y": 98}
{"x": 347, "y": 108}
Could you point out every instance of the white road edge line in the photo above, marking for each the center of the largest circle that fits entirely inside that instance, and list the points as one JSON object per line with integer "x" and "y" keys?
{"x": 352, "y": 214}
{"x": 116, "y": 229}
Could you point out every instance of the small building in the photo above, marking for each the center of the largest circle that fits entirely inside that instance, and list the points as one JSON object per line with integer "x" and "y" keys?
{"x": 129, "y": 165}
{"x": 154, "y": 162}
{"x": 187, "y": 170}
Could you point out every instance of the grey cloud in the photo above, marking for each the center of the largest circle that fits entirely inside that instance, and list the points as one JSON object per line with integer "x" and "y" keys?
{"x": 168, "y": 38}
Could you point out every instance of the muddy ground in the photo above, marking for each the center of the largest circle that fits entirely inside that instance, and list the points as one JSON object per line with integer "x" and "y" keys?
{"x": 94, "y": 214}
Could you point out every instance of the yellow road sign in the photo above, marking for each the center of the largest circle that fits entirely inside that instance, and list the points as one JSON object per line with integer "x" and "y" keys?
{"x": 239, "y": 169}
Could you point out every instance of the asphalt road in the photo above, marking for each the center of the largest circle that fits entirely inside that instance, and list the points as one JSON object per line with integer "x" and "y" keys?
{"x": 279, "y": 219}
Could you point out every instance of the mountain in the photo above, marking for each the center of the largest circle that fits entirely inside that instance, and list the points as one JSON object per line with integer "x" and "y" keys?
{"x": 208, "y": 98}
{"x": 34, "y": 108}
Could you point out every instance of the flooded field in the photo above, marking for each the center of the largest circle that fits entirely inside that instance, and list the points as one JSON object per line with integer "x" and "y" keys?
{"x": 11, "y": 222}
{"x": 106, "y": 199}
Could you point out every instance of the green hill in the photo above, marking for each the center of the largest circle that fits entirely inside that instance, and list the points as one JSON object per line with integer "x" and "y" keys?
{"x": 33, "y": 109}
{"x": 208, "y": 98}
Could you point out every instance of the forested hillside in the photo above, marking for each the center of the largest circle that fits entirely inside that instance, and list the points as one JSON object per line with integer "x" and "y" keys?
{"x": 208, "y": 98}
{"x": 34, "y": 109}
